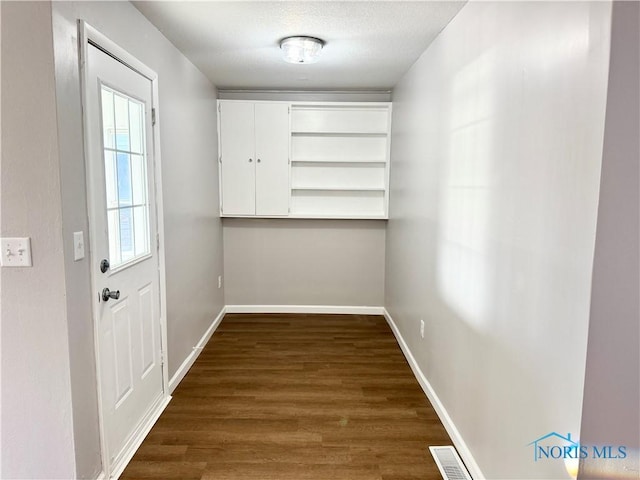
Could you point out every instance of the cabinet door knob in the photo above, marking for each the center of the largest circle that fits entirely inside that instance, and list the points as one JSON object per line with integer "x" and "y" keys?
{"x": 259, "y": 160}
{"x": 250, "y": 160}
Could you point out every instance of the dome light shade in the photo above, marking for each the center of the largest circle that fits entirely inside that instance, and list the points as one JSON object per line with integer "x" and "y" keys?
{"x": 301, "y": 49}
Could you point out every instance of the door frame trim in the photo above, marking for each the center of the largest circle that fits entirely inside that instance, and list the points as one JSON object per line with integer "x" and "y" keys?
{"x": 86, "y": 35}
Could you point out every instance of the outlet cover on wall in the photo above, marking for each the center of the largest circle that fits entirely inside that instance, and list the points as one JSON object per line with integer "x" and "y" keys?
{"x": 16, "y": 252}
{"x": 421, "y": 328}
{"x": 78, "y": 246}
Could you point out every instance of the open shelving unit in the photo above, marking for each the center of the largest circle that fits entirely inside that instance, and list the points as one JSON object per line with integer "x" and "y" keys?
{"x": 340, "y": 160}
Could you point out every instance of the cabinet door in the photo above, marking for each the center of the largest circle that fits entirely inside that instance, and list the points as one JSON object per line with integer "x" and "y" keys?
{"x": 272, "y": 152}
{"x": 238, "y": 173}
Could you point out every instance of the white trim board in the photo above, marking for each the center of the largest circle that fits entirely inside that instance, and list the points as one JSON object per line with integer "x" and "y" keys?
{"x": 329, "y": 309}
{"x": 442, "y": 413}
{"x": 193, "y": 356}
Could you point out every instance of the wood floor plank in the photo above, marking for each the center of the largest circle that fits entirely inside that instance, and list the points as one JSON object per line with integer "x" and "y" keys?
{"x": 295, "y": 397}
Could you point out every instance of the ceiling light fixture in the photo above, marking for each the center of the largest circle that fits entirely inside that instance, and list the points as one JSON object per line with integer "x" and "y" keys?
{"x": 301, "y": 49}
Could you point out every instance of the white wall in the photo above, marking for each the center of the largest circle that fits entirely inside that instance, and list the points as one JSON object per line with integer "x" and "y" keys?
{"x": 611, "y": 409}
{"x": 496, "y": 147}
{"x": 304, "y": 262}
{"x": 37, "y": 424}
{"x": 193, "y": 232}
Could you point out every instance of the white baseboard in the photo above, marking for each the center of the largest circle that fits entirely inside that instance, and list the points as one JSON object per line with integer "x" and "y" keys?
{"x": 102, "y": 476}
{"x": 136, "y": 440}
{"x": 190, "y": 360}
{"x": 337, "y": 309}
{"x": 446, "y": 420}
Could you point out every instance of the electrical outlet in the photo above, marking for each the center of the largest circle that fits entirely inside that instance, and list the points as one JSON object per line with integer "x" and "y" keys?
{"x": 16, "y": 252}
{"x": 421, "y": 328}
{"x": 219, "y": 281}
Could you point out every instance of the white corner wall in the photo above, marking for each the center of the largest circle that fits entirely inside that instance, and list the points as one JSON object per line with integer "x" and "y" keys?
{"x": 193, "y": 231}
{"x": 496, "y": 147}
{"x": 37, "y": 424}
{"x": 611, "y": 406}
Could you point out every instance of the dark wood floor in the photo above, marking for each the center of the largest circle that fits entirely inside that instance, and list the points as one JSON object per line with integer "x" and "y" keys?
{"x": 295, "y": 397}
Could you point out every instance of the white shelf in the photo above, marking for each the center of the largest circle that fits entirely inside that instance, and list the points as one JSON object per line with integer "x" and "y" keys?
{"x": 338, "y": 148}
{"x": 336, "y": 119}
{"x": 332, "y": 202}
{"x": 345, "y": 216}
{"x": 340, "y": 161}
{"x": 340, "y": 189}
{"x": 339, "y": 176}
{"x": 337, "y": 134}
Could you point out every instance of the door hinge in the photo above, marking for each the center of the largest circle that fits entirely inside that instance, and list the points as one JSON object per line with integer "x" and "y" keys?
{"x": 158, "y": 241}
{"x": 220, "y": 158}
{"x": 219, "y": 108}
{"x": 153, "y": 116}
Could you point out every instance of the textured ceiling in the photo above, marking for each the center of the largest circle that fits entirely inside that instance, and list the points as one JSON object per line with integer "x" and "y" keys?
{"x": 369, "y": 44}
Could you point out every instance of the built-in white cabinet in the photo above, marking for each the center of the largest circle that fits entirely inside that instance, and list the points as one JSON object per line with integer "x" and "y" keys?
{"x": 336, "y": 159}
{"x": 254, "y": 158}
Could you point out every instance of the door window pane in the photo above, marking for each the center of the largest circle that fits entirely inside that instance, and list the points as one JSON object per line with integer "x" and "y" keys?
{"x": 138, "y": 175}
{"x": 108, "y": 119}
{"x": 121, "y": 105}
{"x": 135, "y": 125}
{"x": 114, "y": 237}
{"x": 111, "y": 178}
{"x": 124, "y": 180}
{"x": 126, "y": 177}
{"x": 141, "y": 230}
{"x": 126, "y": 234}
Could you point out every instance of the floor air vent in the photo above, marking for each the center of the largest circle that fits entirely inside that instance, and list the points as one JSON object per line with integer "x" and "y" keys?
{"x": 449, "y": 463}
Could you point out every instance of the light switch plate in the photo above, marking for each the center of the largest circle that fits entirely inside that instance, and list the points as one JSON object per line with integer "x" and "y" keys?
{"x": 16, "y": 252}
{"x": 78, "y": 246}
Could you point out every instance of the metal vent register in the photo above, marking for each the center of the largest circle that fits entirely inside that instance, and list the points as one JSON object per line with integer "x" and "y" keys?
{"x": 449, "y": 463}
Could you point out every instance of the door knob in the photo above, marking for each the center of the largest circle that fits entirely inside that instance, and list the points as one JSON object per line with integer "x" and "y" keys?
{"x": 107, "y": 294}
{"x": 250, "y": 160}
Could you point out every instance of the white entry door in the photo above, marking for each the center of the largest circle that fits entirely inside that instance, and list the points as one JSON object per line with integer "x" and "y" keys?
{"x": 123, "y": 226}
